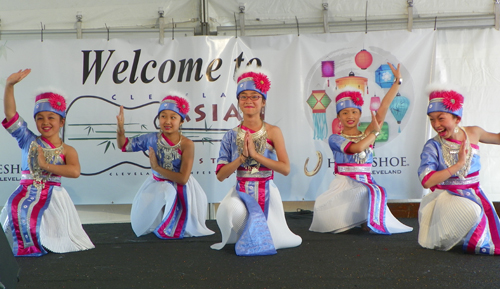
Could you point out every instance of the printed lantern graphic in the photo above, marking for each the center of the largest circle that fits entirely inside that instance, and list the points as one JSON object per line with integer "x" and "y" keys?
{"x": 319, "y": 101}
{"x": 337, "y": 126}
{"x": 384, "y": 76}
{"x": 328, "y": 70}
{"x": 354, "y": 81}
{"x": 398, "y": 108}
{"x": 363, "y": 59}
{"x": 374, "y": 103}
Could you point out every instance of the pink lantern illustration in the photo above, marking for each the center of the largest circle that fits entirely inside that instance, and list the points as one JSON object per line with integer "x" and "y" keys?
{"x": 337, "y": 126}
{"x": 328, "y": 69}
{"x": 363, "y": 59}
{"x": 374, "y": 103}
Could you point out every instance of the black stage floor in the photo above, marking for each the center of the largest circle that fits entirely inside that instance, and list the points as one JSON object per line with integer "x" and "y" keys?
{"x": 355, "y": 259}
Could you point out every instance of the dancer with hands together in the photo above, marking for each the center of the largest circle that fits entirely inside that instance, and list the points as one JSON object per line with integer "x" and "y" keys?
{"x": 251, "y": 215}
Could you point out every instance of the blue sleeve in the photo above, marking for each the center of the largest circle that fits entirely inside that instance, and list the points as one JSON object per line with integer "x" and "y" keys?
{"x": 429, "y": 159}
{"x": 226, "y": 148}
{"x": 336, "y": 143}
{"x": 23, "y": 135}
{"x": 141, "y": 143}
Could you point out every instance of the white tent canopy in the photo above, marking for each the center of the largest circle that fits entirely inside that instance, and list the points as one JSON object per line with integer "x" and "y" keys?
{"x": 94, "y": 19}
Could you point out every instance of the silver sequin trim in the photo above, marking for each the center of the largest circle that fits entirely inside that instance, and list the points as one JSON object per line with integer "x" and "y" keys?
{"x": 248, "y": 174}
{"x": 351, "y": 169}
{"x": 55, "y": 179}
{"x": 15, "y": 125}
{"x": 459, "y": 182}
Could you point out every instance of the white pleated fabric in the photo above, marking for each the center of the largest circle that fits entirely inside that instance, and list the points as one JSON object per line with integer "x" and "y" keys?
{"x": 154, "y": 200}
{"x": 61, "y": 230}
{"x": 232, "y": 216}
{"x": 445, "y": 220}
{"x": 344, "y": 206}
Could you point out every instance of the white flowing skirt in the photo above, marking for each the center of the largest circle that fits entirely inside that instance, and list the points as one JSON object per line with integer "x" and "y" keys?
{"x": 344, "y": 206}
{"x": 60, "y": 230}
{"x": 445, "y": 219}
{"x": 232, "y": 217}
{"x": 155, "y": 199}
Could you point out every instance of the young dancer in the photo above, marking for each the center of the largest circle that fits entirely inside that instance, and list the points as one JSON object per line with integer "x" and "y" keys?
{"x": 170, "y": 202}
{"x": 354, "y": 198}
{"x": 251, "y": 215}
{"x": 39, "y": 214}
{"x": 456, "y": 210}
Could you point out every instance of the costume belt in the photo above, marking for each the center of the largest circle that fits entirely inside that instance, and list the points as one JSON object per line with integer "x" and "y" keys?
{"x": 160, "y": 179}
{"x": 470, "y": 181}
{"x": 27, "y": 180}
{"x": 264, "y": 174}
{"x": 348, "y": 169}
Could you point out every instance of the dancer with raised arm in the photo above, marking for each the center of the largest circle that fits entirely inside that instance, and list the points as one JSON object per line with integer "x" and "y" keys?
{"x": 40, "y": 215}
{"x": 354, "y": 198}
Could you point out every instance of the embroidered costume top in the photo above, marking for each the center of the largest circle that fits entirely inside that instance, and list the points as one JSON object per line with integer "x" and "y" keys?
{"x": 28, "y": 142}
{"x": 484, "y": 237}
{"x": 339, "y": 145}
{"x": 167, "y": 153}
{"x": 433, "y": 159}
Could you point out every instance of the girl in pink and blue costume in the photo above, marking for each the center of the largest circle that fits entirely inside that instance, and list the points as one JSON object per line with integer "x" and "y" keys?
{"x": 456, "y": 210}
{"x": 354, "y": 198}
{"x": 251, "y": 215}
{"x": 40, "y": 215}
{"x": 170, "y": 202}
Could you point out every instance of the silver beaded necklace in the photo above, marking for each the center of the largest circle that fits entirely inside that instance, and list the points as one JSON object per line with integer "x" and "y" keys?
{"x": 450, "y": 154}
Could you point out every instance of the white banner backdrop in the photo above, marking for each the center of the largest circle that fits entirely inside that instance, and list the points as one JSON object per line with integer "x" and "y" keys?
{"x": 469, "y": 59}
{"x": 98, "y": 76}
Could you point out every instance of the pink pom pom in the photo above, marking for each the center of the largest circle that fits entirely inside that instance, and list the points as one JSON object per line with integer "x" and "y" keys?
{"x": 57, "y": 102}
{"x": 355, "y": 96}
{"x": 261, "y": 80}
{"x": 262, "y": 83}
{"x": 182, "y": 104}
{"x": 452, "y": 100}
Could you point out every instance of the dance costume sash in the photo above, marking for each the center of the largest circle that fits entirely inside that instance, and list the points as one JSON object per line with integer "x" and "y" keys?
{"x": 26, "y": 207}
{"x": 174, "y": 224}
{"x": 484, "y": 237}
{"x": 377, "y": 196}
{"x": 253, "y": 189}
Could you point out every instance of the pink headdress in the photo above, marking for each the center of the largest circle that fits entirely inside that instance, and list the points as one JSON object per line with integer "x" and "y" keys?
{"x": 445, "y": 98}
{"x": 349, "y": 98}
{"x": 176, "y": 104}
{"x": 50, "y": 101}
{"x": 253, "y": 80}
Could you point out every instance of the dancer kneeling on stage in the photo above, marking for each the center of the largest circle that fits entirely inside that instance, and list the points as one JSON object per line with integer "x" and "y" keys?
{"x": 39, "y": 214}
{"x": 251, "y": 215}
{"x": 456, "y": 210}
{"x": 170, "y": 202}
{"x": 354, "y": 198}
